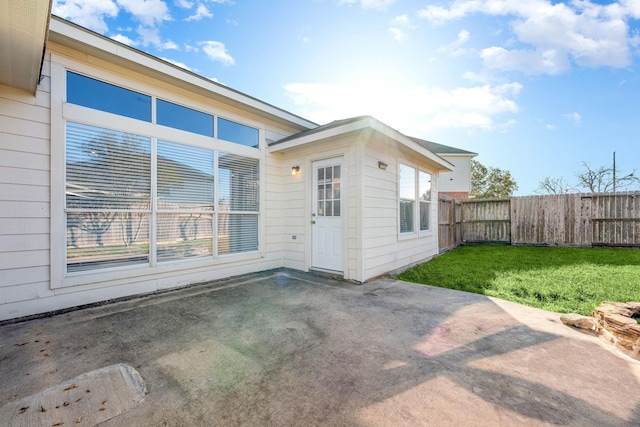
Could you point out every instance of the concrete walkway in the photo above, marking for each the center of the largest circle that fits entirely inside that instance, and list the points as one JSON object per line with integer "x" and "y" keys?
{"x": 288, "y": 348}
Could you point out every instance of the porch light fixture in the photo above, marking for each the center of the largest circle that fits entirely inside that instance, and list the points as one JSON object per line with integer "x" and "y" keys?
{"x": 295, "y": 170}
{"x": 382, "y": 165}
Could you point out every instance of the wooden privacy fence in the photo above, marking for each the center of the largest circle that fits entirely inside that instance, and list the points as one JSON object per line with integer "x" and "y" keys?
{"x": 603, "y": 219}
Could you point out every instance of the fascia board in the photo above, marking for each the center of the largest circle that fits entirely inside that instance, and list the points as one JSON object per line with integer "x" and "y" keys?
{"x": 394, "y": 134}
{"x": 329, "y": 133}
{"x": 444, "y": 155}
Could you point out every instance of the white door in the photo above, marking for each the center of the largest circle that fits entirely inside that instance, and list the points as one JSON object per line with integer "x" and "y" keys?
{"x": 327, "y": 236}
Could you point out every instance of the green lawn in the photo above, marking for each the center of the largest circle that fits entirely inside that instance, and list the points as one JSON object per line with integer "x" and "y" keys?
{"x": 564, "y": 280}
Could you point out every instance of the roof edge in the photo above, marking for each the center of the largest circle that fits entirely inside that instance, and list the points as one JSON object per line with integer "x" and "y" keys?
{"x": 75, "y": 36}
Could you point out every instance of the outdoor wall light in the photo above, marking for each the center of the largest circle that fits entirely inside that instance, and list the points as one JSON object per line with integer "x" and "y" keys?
{"x": 295, "y": 170}
{"x": 382, "y": 165}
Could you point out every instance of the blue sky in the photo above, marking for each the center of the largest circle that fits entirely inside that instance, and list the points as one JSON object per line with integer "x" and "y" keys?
{"x": 535, "y": 87}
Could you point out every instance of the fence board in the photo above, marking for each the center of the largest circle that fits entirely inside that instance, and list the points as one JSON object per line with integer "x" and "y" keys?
{"x": 448, "y": 224}
{"x": 486, "y": 221}
{"x": 604, "y": 219}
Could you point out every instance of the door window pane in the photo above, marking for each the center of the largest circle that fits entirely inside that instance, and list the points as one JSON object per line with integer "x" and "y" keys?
{"x": 103, "y": 96}
{"x": 328, "y": 191}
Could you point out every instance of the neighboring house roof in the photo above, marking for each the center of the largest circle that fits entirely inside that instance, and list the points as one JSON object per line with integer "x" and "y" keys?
{"x": 454, "y": 195}
{"x": 23, "y": 33}
{"x": 442, "y": 149}
{"x": 340, "y": 127}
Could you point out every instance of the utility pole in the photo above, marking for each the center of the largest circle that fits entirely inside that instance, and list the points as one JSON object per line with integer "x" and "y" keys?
{"x": 614, "y": 172}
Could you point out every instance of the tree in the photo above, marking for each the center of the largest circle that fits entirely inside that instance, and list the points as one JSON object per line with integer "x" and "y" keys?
{"x": 593, "y": 180}
{"x": 491, "y": 182}
{"x": 601, "y": 180}
{"x": 549, "y": 185}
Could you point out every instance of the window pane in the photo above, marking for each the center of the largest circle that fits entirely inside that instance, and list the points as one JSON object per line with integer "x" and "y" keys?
{"x": 407, "y": 182}
{"x": 179, "y": 117}
{"x": 184, "y": 236}
{"x": 336, "y": 208}
{"x": 424, "y": 216}
{"x": 103, "y": 96}
{"x": 237, "y": 233}
{"x": 106, "y": 239}
{"x": 107, "y": 169}
{"x": 425, "y": 186}
{"x": 406, "y": 216}
{"x": 238, "y": 133}
{"x": 239, "y": 183}
{"x": 185, "y": 177}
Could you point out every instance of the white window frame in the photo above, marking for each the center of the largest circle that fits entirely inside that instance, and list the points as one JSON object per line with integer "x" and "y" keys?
{"x": 61, "y": 112}
{"x": 417, "y": 201}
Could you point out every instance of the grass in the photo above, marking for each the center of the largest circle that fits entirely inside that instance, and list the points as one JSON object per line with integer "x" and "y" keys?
{"x": 564, "y": 280}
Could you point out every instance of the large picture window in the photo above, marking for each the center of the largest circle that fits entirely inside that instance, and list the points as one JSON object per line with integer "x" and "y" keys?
{"x": 133, "y": 199}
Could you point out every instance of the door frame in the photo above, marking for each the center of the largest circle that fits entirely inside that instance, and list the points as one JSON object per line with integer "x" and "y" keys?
{"x": 341, "y": 158}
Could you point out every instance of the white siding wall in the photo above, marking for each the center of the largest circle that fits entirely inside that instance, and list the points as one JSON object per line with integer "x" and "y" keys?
{"x": 460, "y": 179}
{"x": 24, "y": 193}
{"x": 385, "y": 249}
{"x": 25, "y": 205}
{"x": 296, "y": 202}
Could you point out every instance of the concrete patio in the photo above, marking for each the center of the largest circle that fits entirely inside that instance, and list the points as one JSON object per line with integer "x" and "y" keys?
{"x": 289, "y": 348}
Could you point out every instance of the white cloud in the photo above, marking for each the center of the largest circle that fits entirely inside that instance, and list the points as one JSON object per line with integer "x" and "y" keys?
{"x": 399, "y": 27}
{"x": 549, "y": 126}
{"x": 88, "y": 13}
{"x": 554, "y": 35}
{"x": 216, "y": 51}
{"x": 455, "y": 47}
{"x": 189, "y": 48}
{"x": 149, "y": 12}
{"x": 179, "y": 64}
{"x": 201, "y": 12}
{"x": 549, "y": 61}
{"x": 410, "y": 109}
{"x": 370, "y": 4}
{"x": 151, "y": 36}
{"x": 168, "y": 45}
{"x": 124, "y": 40}
{"x": 575, "y": 117}
{"x": 185, "y": 4}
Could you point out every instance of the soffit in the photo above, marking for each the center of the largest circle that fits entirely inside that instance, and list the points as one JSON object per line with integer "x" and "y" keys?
{"x": 23, "y": 34}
